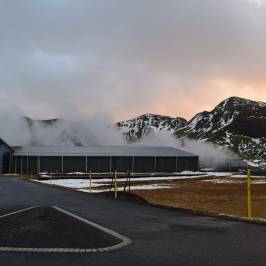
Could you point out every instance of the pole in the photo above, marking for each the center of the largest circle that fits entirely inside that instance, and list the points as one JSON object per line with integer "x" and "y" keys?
{"x": 129, "y": 183}
{"x": 90, "y": 181}
{"x": 249, "y": 193}
{"x": 115, "y": 187}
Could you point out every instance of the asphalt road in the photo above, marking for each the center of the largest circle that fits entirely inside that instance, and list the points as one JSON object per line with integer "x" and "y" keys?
{"x": 160, "y": 236}
{"x": 45, "y": 227}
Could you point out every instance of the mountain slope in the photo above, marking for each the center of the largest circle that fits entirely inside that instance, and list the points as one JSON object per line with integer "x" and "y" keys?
{"x": 143, "y": 125}
{"x": 237, "y": 115}
{"x": 236, "y": 123}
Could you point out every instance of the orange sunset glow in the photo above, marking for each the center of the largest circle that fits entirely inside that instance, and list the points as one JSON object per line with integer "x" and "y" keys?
{"x": 169, "y": 57}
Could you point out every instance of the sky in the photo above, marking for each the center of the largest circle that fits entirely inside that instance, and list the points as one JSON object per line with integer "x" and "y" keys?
{"x": 126, "y": 58}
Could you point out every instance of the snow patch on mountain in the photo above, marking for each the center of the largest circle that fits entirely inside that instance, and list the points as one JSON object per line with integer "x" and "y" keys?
{"x": 146, "y": 124}
{"x": 236, "y": 123}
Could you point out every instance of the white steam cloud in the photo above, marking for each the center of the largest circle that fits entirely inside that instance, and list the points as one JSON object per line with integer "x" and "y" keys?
{"x": 80, "y": 129}
{"x": 94, "y": 130}
{"x": 211, "y": 156}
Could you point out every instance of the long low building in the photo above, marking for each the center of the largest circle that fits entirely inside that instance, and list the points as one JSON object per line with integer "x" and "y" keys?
{"x": 65, "y": 159}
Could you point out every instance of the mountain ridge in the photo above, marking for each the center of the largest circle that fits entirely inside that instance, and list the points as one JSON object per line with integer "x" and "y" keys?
{"x": 235, "y": 123}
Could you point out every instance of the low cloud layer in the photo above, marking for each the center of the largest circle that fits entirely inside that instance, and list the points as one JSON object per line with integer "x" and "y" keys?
{"x": 95, "y": 130}
{"x": 211, "y": 156}
{"x": 130, "y": 57}
{"x": 73, "y": 129}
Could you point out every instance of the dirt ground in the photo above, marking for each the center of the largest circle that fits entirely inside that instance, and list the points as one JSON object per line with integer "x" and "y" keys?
{"x": 223, "y": 195}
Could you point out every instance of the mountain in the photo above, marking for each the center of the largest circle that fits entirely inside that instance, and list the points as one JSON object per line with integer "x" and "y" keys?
{"x": 143, "y": 125}
{"x": 236, "y": 123}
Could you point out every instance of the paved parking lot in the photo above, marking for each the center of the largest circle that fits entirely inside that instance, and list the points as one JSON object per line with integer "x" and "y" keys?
{"x": 159, "y": 236}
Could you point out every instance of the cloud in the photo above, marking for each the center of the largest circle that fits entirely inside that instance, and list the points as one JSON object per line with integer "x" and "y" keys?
{"x": 95, "y": 130}
{"x": 129, "y": 57}
{"x": 73, "y": 129}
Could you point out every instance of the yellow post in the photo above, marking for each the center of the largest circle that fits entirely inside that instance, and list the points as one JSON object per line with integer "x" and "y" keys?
{"x": 115, "y": 187}
{"x": 90, "y": 181}
{"x": 249, "y": 193}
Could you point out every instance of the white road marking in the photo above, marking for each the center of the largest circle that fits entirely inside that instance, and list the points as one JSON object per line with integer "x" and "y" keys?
{"x": 19, "y": 211}
{"x": 125, "y": 241}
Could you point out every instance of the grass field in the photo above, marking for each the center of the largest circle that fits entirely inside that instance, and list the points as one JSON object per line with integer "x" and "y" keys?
{"x": 226, "y": 195}
{"x": 221, "y": 193}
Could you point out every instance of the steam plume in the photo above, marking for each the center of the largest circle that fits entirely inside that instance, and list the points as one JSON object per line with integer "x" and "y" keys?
{"x": 94, "y": 130}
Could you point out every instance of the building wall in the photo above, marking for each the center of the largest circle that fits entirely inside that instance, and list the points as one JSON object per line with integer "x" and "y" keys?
{"x": 98, "y": 164}
{"x": 144, "y": 164}
{"x": 51, "y": 164}
{"x": 166, "y": 164}
{"x": 5, "y": 154}
{"x": 31, "y": 164}
{"x": 121, "y": 164}
{"x": 187, "y": 163}
{"x": 74, "y": 164}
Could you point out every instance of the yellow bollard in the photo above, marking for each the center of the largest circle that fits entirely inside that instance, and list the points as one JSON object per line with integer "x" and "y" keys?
{"x": 115, "y": 188}
{"x": 90, "y": 181}
{"x": 249, "y": 193}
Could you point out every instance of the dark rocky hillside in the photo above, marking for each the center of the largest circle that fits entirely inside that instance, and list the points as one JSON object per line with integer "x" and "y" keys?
{"x": 141, "y": 126}
{"x": 236, "y": 123}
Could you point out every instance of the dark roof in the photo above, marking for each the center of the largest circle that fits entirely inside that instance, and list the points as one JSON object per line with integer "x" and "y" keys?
{"x": 101, "y": 151}
{"x": 3, "y": 142}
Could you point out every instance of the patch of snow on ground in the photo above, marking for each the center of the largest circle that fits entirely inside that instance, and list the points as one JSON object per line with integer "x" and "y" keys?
{"x": 138, "y": 187}
{"x": 93, "y": 190}
{"x": 76, "y": 173}
{"x": 70, "y": 183}
{"x": 158, "y": 178}
{"x": 223, "y": 181}
{"x": 258, "y": 182}
{"x": 47, "y": 176}
{"x": 190, "y": 173}
{"x": 219, "y": 174}
{"x": 245, "y": 176}
{"x": 232, "y": 181}
{"x": 84, "y": 183}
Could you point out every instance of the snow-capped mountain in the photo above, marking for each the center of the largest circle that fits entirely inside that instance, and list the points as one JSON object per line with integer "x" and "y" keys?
{"x": 141, "y": 126}
{"x": 236, "y": 123}
{"x": 234, "y": 115}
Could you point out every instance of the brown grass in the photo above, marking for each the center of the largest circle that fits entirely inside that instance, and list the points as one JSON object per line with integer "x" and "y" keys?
{"x": 212, "y": 197}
